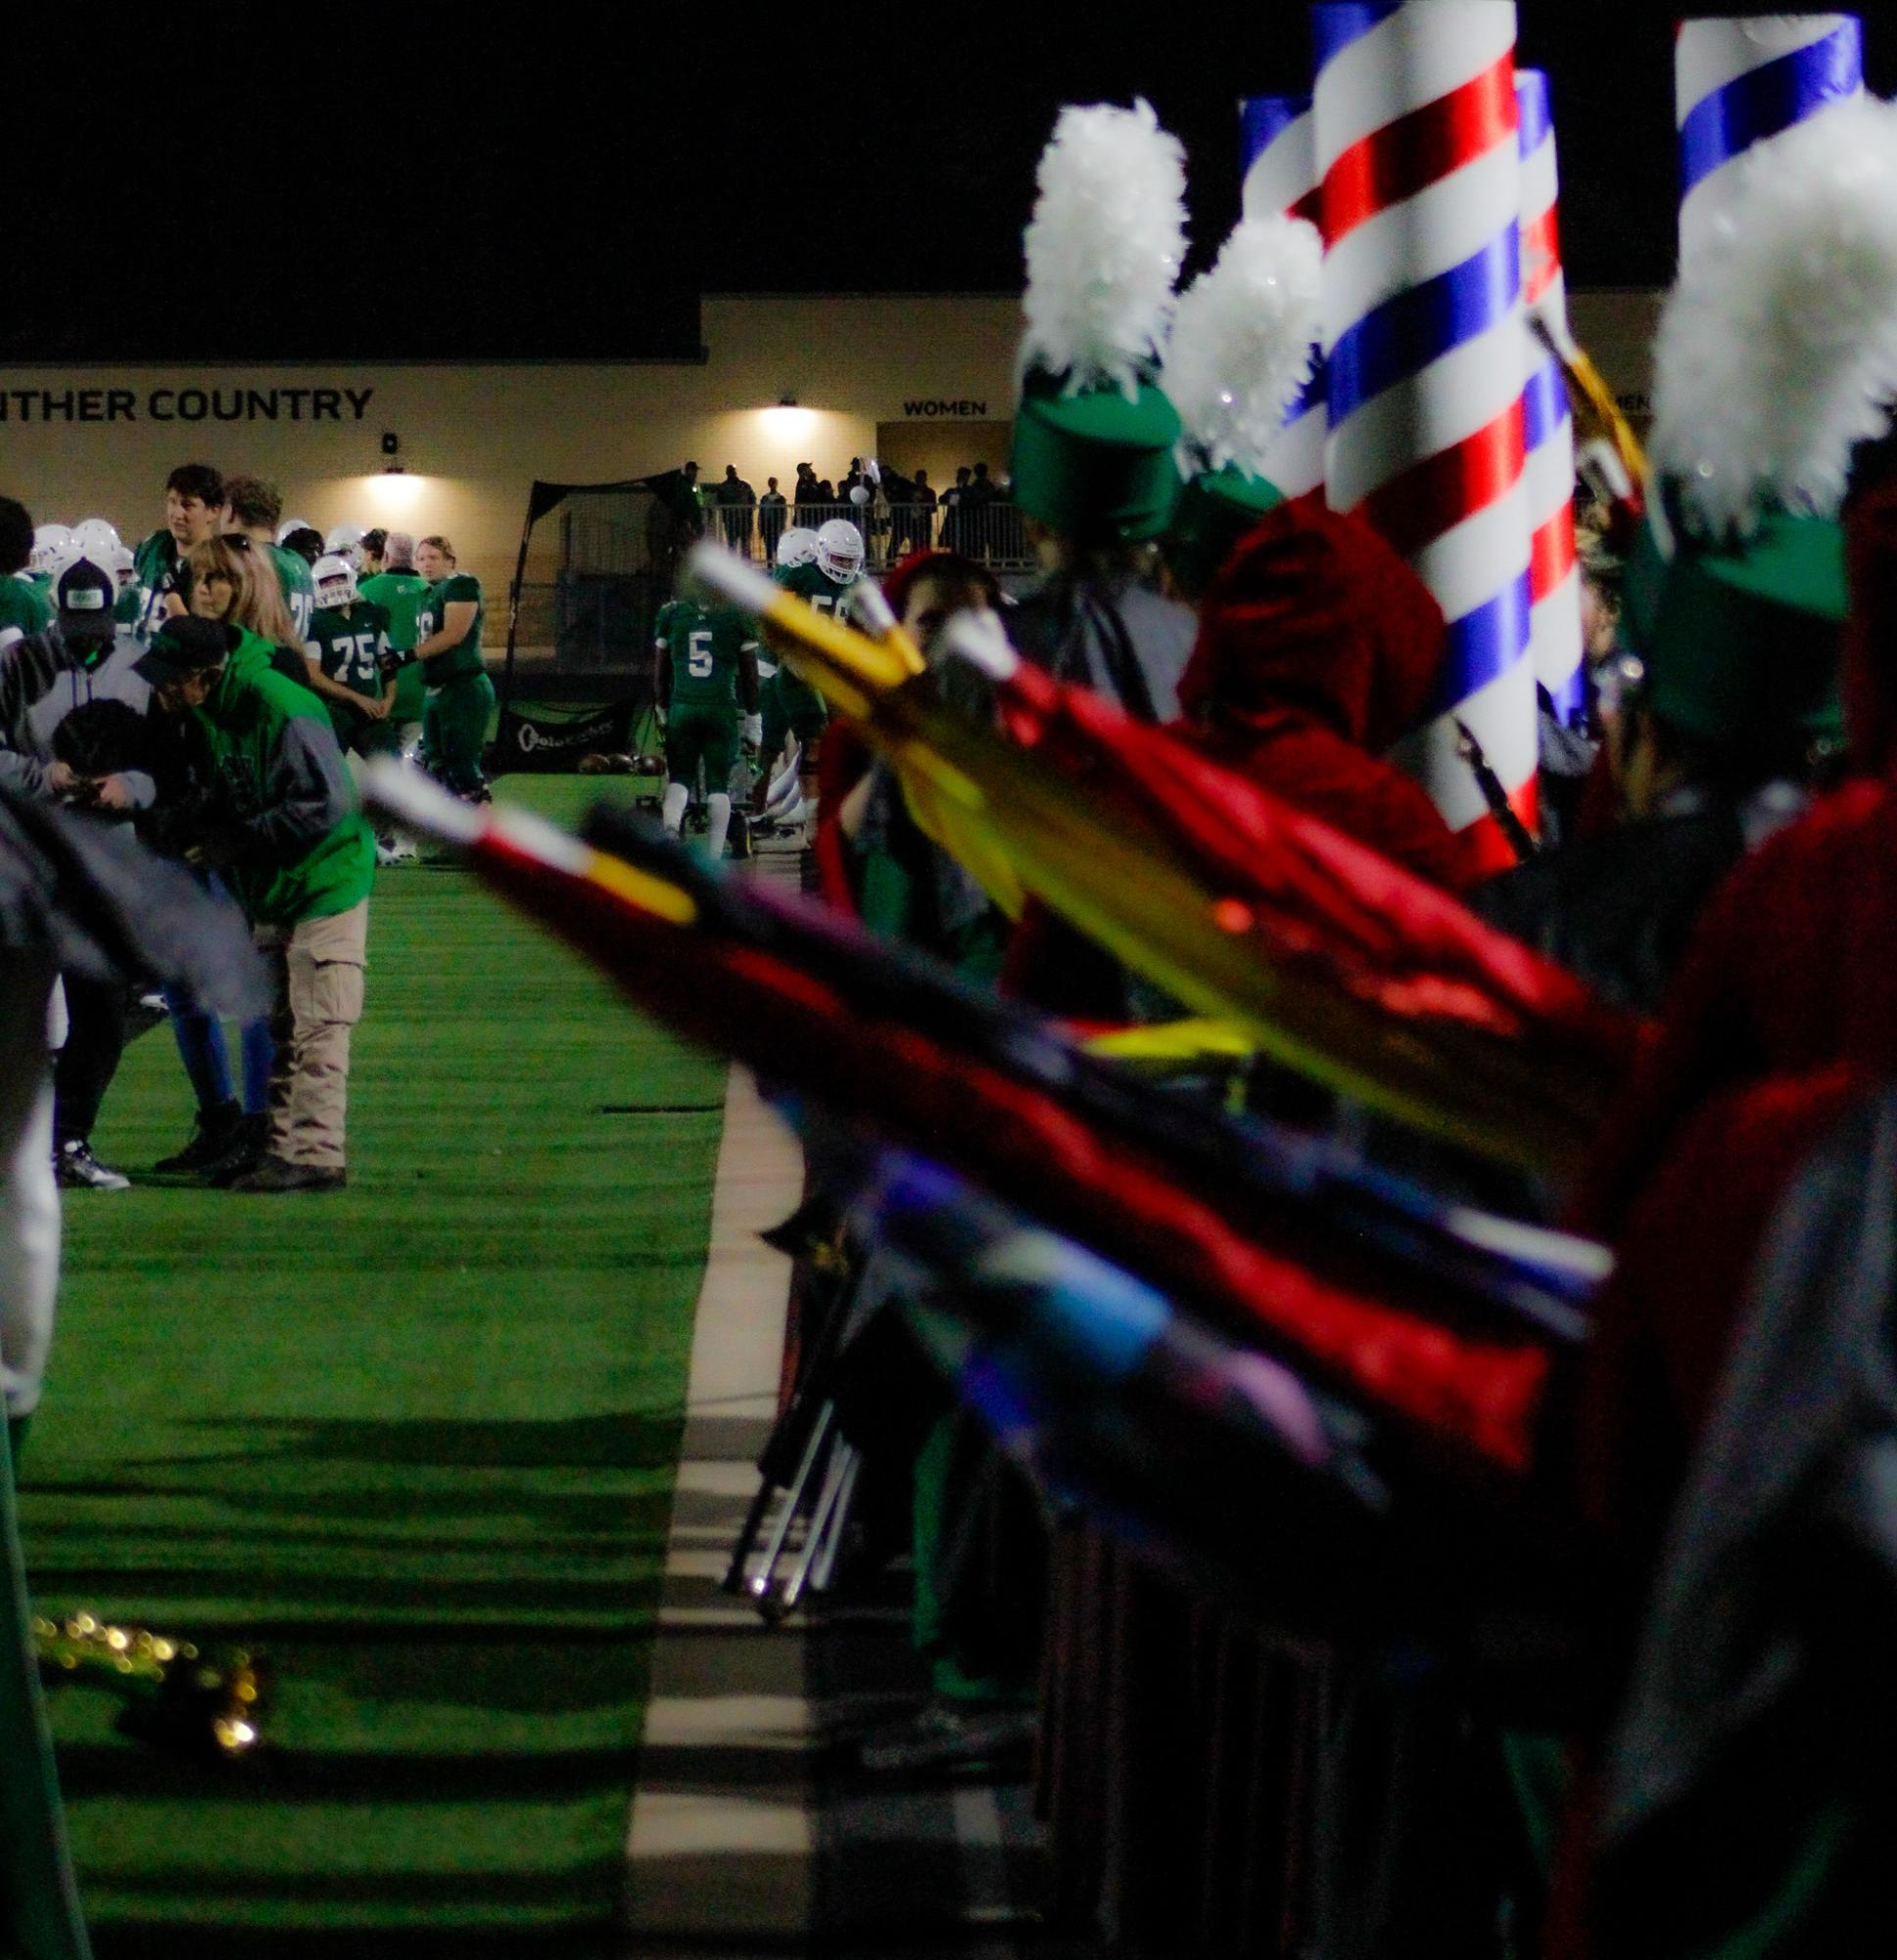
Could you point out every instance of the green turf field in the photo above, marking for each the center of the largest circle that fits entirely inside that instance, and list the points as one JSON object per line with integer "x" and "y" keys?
{"x": 417, "y": 1440}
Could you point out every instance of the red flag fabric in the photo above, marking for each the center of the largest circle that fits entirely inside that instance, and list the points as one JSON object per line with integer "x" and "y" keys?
{"x": 1318, "y": 648}
{"x": 1480, "y": 1395}
{"x": 1387, "y": 934}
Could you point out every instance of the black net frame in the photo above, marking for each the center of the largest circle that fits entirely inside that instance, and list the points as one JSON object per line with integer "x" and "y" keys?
{"x": 621, "y": 546}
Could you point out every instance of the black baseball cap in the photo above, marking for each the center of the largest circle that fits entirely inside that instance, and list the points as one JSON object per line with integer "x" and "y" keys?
{"x": 85, "y": 596}
{"x": 186, "y": 646}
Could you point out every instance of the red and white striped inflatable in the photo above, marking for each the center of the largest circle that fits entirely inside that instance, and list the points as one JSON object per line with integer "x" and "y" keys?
{"x": 1420, "y": 169}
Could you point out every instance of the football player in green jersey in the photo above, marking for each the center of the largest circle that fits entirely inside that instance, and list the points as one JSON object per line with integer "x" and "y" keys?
{"x": 131, "y": 607}
{"x": 194, "y": 514}
{"x": 399, "y": 589}
{"x": 350, "y": 664}
{"x": 23, "y": 611}
{"x": 791, "y": 707}
{"x": 460, "y": 696}
{"x": 706, "y": 666}
{"x": 256, "y": 509}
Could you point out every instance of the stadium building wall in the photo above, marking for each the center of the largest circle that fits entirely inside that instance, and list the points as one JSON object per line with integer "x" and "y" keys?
{"x": 784, "y": 379}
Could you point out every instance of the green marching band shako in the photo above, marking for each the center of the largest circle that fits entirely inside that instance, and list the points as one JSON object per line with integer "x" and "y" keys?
{"x": 1094, "y": 435}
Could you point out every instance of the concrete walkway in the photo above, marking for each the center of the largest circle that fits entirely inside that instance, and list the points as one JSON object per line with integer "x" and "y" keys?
{"x": 720, "y": 1846}
{"x": 748, "y": 1840}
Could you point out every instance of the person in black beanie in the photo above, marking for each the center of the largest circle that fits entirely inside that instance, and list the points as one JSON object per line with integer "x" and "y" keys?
{"x": 73, "y": 730}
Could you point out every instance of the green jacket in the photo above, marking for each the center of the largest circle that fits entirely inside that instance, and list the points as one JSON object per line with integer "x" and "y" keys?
{"x": 278, "y": 779}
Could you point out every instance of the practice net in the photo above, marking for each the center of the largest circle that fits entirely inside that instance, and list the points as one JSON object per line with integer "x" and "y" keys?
{"x": 597, "y": 560}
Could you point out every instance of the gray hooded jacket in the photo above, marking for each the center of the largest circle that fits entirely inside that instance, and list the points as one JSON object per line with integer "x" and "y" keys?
{"x": 42, "y": 683}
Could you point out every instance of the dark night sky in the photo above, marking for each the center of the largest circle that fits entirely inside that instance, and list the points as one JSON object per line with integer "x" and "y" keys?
{"x": 419, "y": 206}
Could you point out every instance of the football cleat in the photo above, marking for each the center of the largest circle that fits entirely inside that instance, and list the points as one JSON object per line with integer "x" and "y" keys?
{"x": 75, "y": 1168}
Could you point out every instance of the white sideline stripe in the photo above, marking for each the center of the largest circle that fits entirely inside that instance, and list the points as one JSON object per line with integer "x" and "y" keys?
{"x": 731, "y": 1852}
{"x": 1710, "y": 54}
{"x": 737, "y": 1343}
{"x": 704, "y": 1720}
{"x": 682, "y": 1823}
{"x": 718, "y": 1480}
{"x": 682, "y": 1561}
{"x": 1421, "y": 238}
{"x": 739, "y": 1619}
{"x": 1416, "y": 56}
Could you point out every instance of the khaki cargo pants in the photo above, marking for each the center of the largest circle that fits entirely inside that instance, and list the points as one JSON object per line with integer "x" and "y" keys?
{"x": 317, "y": 965}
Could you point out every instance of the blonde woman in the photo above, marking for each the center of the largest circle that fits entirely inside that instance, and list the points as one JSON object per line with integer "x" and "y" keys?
{"x": 232, "y": 580}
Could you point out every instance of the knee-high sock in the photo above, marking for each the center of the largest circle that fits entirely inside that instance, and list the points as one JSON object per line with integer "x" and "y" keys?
{"x": 719, "y": 810}
{"x": 672, "y": 810}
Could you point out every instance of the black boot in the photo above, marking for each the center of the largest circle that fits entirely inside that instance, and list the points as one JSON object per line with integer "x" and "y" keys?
{"x": 211, "y": 1137}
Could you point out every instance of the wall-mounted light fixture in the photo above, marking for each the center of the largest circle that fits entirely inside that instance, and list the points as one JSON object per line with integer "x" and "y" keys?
{"x": 391, "y": 452}
{"x": 785, "y": 421}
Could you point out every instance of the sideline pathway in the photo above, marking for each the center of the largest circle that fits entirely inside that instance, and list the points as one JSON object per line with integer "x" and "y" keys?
{"x": 720, "y": 1846}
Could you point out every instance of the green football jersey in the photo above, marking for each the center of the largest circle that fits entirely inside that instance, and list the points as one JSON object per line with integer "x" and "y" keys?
{"x": 23, "y": 607}
{"x": 155, "y": 563}
{"x": 128, "y": 608}
{"x": 703, "y": 645}
{"x": 156, "y": 556}
{"x": 432, "y": 616}
{"x": 399, "y": 595}
{"x": 349, "y": 643}
{"x": 298, "y": 588}
{"x": 810, "y": 582}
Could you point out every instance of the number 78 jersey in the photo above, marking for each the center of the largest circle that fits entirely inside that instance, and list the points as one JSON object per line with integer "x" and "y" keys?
{"x": 703, "y": 645}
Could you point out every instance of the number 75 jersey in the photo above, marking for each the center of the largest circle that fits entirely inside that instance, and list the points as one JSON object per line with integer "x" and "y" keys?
{"x": 703, "y": 645}
{"x": 350, "y": 645}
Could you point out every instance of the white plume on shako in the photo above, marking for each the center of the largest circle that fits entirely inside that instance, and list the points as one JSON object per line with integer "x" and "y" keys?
{"x": 1777, "y": 350}
{"x": 1242, "y": 340}
{"x": 1104, "y": 248}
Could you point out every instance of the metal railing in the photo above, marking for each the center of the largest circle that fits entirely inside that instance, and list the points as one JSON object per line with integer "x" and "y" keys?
{"x": 589, "y": 628}
{"x": 989, "y": 530}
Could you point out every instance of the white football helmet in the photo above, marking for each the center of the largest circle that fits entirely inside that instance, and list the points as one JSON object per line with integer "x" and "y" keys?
{"x": 797, "y": 547}
{"x": 290, "y": 524}
{"x": 335, "y": 581}
{"x": 839, "y": 550}
{"x": 97, "y": 539}
{"x": 52, "y": 544}
{"x": 122, "y": 566}
{"x": 346, "y": 542}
